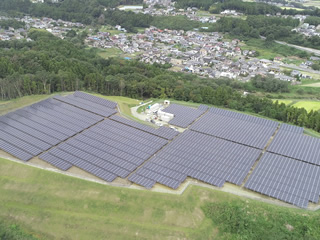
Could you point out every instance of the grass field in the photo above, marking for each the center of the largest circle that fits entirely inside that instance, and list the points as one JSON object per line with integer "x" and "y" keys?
{"x": 308, "y": 105}
{"x": 312, "y": 3}
{"x": 124, "y": 103}
{"x": 61, "y": 207}
{"x": 275, "y": 50}
{"x": 55, "y": 206}
{"x": 110, "y": 52}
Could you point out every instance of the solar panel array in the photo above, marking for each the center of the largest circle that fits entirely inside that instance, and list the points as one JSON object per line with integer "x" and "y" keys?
{"x": 222, "y": 146}
{"x": 106, "y": 150}
{"x": 203, "y": 107}
{"x": 206, "y": 158}
{"x": 236, "y": 127}
{"x": 29, "y": 131}
{"x": 183, "y": 116}
{"x": 98, "y": 100}
{"x": 163, "y": 132}
{"x": 296, "y": 146}
{"x": 286, "y": 179}
{"x": 89, "y": 103}
{"x": 291, "y": 128}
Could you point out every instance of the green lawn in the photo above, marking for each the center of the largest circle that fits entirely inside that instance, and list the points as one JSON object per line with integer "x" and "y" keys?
{"x": 55, "y": 206}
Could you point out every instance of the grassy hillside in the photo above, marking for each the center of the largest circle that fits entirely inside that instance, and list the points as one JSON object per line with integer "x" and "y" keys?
{"x": 56, "y": 206}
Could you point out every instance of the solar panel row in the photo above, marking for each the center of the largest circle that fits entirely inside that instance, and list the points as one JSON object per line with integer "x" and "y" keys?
{"x": 114, "y": 148}
{"x": 147, "y": 183}
{"x": 163, "y": 132}
{"x": 286, "y": 179}
{"x": 291, "y": 128}
{"x": 87, "y": 105}
{"x": 296, "y": 146}
{"x": 202, "y": 157}
{"x": 91, "y": 98}
{"x": 29, "y": 131}
{"x": 244, "y": 117}
{"x": 203, "y": 107}
{"x": 183, "y": 116}
{"x": 55, "y": 161}
{"x": 234, "y": 127}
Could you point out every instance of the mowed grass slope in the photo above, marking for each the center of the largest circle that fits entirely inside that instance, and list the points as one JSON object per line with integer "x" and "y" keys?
{"x": 7, "y": 106}
{"x": 54, "y": 206}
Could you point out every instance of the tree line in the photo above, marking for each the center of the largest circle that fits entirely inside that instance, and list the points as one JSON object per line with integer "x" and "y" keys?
{"x": 11, "y": 23}
{"x": 272, "y": 28}
{"x": 49, "y": 64}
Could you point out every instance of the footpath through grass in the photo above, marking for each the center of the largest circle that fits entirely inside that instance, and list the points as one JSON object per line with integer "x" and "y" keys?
{"x": 55, "y": 206}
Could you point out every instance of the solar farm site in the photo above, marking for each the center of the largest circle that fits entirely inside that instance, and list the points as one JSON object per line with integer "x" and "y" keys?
{"x": 216, "y": 147}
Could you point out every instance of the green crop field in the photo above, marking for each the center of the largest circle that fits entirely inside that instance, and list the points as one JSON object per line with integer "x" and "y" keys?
{"x": 308, "y": 105}
{"x": 54, "y": 206}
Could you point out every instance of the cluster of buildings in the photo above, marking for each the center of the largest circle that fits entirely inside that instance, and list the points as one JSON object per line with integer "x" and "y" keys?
{"x": 308, "y": 30}
{"x": 205, "y": 54}
{"x": 58, "y": 28}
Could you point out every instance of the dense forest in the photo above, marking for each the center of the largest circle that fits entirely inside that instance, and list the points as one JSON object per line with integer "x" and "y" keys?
{"x": 272, "y": 28}
{"x": 11, "y": 23}
{"x": 49, "y": 64}
{"x": 248, "y": 8}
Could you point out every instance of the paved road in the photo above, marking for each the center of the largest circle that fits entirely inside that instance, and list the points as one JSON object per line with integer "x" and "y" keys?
{"x": 138, "y": 115}
{"x": 309, "y": 70}
{"x": 309, "y": 50}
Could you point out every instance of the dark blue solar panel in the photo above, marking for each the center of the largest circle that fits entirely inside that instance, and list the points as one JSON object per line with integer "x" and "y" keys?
{"x": 34, "y": 129}
{"x": 236, "y": 127}
{"x": 87, "y": 105}
{"x": 291, "y": 128}
{"x": 183, "y": 116}
{"x": 202, "y": 157}
{"x": 286, "y": 179}
{"x": 163, "y": 132}
{"x": 111, "y": 146}
{"x": 98, "y": 100}
{"x": 296, "y": 146}
{"x": 140, "y": 180}
{"x": 55, "y": 161}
